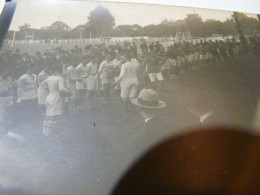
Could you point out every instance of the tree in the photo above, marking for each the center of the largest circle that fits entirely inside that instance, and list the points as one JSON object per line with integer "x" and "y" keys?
{"x": 20, "y": 35}
{"x": 101, "y": 21}
{"x": 24, "y": 27}
{"x": 128, "y": 30}
{"x": 213, "y": 27}
{"x": 59, "y": 26}
{"x": 166, "y": 28}
{"x": 80, "y": 31}
{"x": 229, "y": 27}
{"x": 151, "y": 30}
{"x": 43, "y": 33}
{"x": 59, "y": 30}
{"x": 240, "y": 32}
{"x": 195, "y": 24}
{"x": 168, "y": 22}
{"x": 248, "y": 24}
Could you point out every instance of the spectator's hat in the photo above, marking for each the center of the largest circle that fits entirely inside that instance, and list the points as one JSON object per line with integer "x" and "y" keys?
{"x": 148, "y": 98}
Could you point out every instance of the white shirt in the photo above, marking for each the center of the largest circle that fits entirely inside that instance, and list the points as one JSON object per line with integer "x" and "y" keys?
{"x": 116, "y": 63}
{"x": 105, "y": 67}
{"x": 27, "y": 87}
{"x": 92, "y": 68}
{"x": 41, "y": 77}
{"x": 128, "y": 71}
{"x": 134, "y": 60}
{"x": 81, "y": 71}
{"x": 71, "y": 73}
{"x": 105, "y": 70}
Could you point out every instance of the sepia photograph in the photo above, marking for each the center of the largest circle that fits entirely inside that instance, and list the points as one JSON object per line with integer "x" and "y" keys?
{"x": 87, "y": 88}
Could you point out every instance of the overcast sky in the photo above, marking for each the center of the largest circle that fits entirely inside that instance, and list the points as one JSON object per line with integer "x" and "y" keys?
{"x": 44, "y": 13}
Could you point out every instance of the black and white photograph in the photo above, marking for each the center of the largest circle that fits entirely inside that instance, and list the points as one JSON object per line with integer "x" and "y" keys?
{"x": 87, "y": 88}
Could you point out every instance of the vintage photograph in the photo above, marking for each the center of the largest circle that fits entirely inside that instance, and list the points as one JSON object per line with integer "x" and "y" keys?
{"x": 87, "y": 87}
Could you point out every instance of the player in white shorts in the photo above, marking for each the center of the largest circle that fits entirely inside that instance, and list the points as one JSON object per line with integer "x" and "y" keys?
{"x": 81, "y": 83}
{"x": 151, "y": 65}
{"x": 105, "y": 72}
{"x": 92, "y": 79}
{"x": 129, "y": 81}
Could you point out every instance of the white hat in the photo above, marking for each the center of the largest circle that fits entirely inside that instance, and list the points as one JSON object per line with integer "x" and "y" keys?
{"x": 148, "y": 98}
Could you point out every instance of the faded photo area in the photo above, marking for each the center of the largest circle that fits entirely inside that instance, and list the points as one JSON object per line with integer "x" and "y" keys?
{"x": 87, "y": 87}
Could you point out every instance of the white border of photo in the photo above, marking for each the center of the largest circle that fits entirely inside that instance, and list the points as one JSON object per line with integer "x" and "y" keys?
{"x": 2, "y": 3}
{"x": 248, "y": 6}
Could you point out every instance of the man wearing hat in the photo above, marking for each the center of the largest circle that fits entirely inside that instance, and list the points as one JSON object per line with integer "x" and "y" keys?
{"x": 155, "y": 128}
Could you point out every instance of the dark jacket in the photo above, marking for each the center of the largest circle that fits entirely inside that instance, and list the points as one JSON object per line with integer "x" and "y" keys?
{"x": 151, "y": 64}
{"x": 153, "y": 132}
{"x": 210, "y": 161}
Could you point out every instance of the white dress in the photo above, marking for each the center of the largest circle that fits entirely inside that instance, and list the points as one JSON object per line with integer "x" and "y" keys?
{"x": 42, "y": 92}
{"x": 54, "y": 99}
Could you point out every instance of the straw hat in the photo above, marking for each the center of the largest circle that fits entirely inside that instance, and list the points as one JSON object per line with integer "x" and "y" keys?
{"x": 148, "y": 98}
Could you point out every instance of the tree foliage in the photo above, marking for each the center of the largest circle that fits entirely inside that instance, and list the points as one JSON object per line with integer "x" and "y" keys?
{"x": 130, "y": 30}
{"x": 195, "y": 24}
{"x": 101, "y": 21}
{"x": 237, "y": 18}
{"x": 59, "y": 30}
{"x": 248, "y": 24}
{"x": 24, "y": 27}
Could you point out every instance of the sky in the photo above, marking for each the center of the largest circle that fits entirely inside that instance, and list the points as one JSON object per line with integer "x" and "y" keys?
{"x": 44, "y": 12}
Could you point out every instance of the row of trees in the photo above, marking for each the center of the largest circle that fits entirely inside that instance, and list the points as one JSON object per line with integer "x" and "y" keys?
{"x": 102, "y": 23}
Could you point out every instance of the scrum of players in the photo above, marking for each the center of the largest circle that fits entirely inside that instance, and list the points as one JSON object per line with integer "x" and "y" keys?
{"x": 58, "y": 80}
